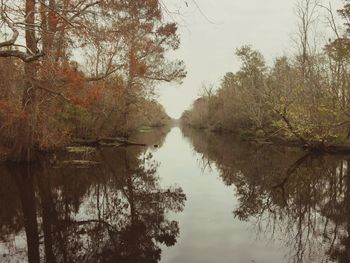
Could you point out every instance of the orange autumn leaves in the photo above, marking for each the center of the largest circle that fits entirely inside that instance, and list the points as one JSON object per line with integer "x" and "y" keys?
{"x": 91, "y": 97}
{"x": 71, "y": 83}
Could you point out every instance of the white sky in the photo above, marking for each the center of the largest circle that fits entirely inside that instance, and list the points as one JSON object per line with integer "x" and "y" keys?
{"x": 208, "y": 48}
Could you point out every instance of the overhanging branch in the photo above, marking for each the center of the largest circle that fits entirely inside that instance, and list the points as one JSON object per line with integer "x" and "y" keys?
{"x": 25, "y": 57}
{"x": 15, "y": 34}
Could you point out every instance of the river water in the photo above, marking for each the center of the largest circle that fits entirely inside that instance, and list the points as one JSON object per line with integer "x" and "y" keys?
{"x": 188, "y": 197}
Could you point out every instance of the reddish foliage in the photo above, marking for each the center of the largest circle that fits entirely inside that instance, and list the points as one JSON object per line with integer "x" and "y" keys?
{"x": 4, "y": 106}
{"x": 53, "y": 20}
{"x": 92, "y": 96}
{"x": 10, "y": 113}
{"x": 66, "y": 74}
{"x": 73, "y": 77}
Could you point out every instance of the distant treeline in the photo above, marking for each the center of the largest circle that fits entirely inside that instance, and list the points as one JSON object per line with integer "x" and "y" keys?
{"x": 305, "y": 97}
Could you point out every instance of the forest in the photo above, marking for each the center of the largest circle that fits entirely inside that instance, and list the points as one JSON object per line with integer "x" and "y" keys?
{"x": 300, "y": 99}
{"x": 81, "y": 69}
{"x": 93, "y": 169}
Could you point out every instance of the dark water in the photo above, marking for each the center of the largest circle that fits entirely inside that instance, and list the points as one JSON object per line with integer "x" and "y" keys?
{"x": 195, "y": 198}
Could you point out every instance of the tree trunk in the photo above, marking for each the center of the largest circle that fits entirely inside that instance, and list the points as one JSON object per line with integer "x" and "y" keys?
{"x": 47, "y": 208}
{"x": 25, "y": 183}
{"x": 23, "y": 149}
{"x": 128, "y": 89}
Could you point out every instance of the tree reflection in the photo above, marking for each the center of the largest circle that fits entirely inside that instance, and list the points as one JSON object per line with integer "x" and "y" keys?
{"x": 301, "y": 198}
{"x": 112, "y": 212}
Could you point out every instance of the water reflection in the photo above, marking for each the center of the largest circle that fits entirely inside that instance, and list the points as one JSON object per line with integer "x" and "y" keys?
{"x": 285, "y": 194}
{"x": 115, "y": 211}
{"x": 119, "y": 210}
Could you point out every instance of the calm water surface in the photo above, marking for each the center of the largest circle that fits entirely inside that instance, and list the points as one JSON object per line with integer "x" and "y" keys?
{"x": 195, "y": 198}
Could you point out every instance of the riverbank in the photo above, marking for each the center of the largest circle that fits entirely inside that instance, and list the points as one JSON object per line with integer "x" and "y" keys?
{"x": 311, "y": 146}
{"x": 144, "y": 137}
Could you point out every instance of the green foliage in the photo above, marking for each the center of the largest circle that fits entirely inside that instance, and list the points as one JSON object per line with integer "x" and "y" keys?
{"x": 305, "y": 102}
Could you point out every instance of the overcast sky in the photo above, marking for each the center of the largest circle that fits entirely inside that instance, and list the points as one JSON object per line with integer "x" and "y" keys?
{"x": 208, "y": 47}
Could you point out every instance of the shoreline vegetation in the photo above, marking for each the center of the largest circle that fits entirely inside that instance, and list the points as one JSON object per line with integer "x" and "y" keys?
{"x": 82, "y": 70}
{"x": 82, "y": 145}
{"x": 76, "y": 80}
{"x": 301, "y": 100}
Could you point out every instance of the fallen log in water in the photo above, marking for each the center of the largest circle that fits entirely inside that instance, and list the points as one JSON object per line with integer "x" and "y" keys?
{"x": 106, "y": 142}
{"x": 311, "y": 146}
{"x": 328, "y": 148}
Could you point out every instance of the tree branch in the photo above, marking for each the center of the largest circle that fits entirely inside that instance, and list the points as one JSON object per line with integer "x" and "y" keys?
{"x": 25, "y": 57}
{"x": 15, "y": 34}
{"x": 108, "y": 73}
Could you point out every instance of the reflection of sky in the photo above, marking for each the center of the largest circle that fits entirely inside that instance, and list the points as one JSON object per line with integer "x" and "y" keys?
{"x": 208, "y": 49}
{"x": 15, "y": 250}
{"x": 208, "y": 231}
